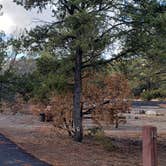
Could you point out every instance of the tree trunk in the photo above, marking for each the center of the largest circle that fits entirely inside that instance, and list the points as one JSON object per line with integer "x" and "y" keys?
{"x": 77, "y": 111}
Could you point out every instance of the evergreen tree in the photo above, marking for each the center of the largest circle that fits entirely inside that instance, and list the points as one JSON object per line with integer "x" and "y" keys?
{"x": 148, "y": 33}
{"x": 84, "y": 30}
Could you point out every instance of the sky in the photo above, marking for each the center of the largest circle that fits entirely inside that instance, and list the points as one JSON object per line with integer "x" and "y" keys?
{"x": 16, "y": 18}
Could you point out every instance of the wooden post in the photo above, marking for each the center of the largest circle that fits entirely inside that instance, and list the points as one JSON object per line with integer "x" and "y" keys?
{"x": 149, "y": 146}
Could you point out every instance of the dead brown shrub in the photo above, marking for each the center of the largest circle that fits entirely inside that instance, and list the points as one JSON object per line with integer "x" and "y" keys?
{"x": 104, "y": 97}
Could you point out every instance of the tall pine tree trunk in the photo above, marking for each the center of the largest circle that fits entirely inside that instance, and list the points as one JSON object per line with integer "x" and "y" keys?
{"x": 77, "y": 111}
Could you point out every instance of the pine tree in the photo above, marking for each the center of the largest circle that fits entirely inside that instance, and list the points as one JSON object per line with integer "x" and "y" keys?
{"x": 84, "y": 30}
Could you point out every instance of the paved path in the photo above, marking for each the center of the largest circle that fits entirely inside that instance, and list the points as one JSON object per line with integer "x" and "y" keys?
{"x": 12, "y": 155}
{"x": 147, "y": 103}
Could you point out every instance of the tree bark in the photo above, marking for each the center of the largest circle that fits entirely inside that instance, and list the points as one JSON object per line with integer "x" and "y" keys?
{"x": 77, "y": 111}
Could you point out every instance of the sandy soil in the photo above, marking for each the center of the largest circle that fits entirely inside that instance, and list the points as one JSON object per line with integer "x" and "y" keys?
{"x": 41, "y": 140}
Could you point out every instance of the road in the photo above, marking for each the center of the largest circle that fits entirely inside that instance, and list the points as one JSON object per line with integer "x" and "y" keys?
{"x": 147, "y": 103}
{"x": 12, "y": 155}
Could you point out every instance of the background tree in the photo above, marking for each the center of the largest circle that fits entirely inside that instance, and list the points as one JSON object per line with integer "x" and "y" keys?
{"x": 1, "y": 10}
{"x": 2, "y": 56}
{"x": 9, "y": 49}
{"x": 147, "y": 34}
{"x": 144, "y": 75}
{"x": 146, "y": 69}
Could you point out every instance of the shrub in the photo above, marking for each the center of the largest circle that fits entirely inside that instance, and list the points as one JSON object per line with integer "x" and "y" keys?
{"x": 104, "y": 141}
{"x": 94, "y": 131}
{"x": 61, "y": 107}
{"x": 154, "y": 94}
{"x": 104, "y": 95}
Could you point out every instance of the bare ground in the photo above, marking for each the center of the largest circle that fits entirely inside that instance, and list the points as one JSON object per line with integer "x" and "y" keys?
{"x": 41, "y": 140}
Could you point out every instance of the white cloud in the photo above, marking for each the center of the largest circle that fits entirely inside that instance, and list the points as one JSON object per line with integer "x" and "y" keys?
{"x": 6, "y": 23}
{"x": 16, "y": 17}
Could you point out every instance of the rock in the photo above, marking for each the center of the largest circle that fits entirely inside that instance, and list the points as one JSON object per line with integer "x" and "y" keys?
{"x": 151, "y": 112}
{"x": 142, "y": 111}
{"x": 138, "y": 112}
{"x": 159, "y": 114}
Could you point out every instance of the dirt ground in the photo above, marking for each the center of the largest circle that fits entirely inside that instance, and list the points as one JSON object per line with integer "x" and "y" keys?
{"x": 41, "y": 140}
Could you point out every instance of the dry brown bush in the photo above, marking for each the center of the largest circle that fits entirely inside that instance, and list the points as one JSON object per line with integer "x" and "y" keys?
{"x": 61, "y": 109}
{"x": 12, "y": 107}
{"x": 104, "y": 97}
{"x": 107, "y": 97}
{"x": 4, "y": 107}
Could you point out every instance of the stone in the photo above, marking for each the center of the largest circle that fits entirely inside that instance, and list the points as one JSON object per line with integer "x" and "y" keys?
{"x": 151, "y": 112}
